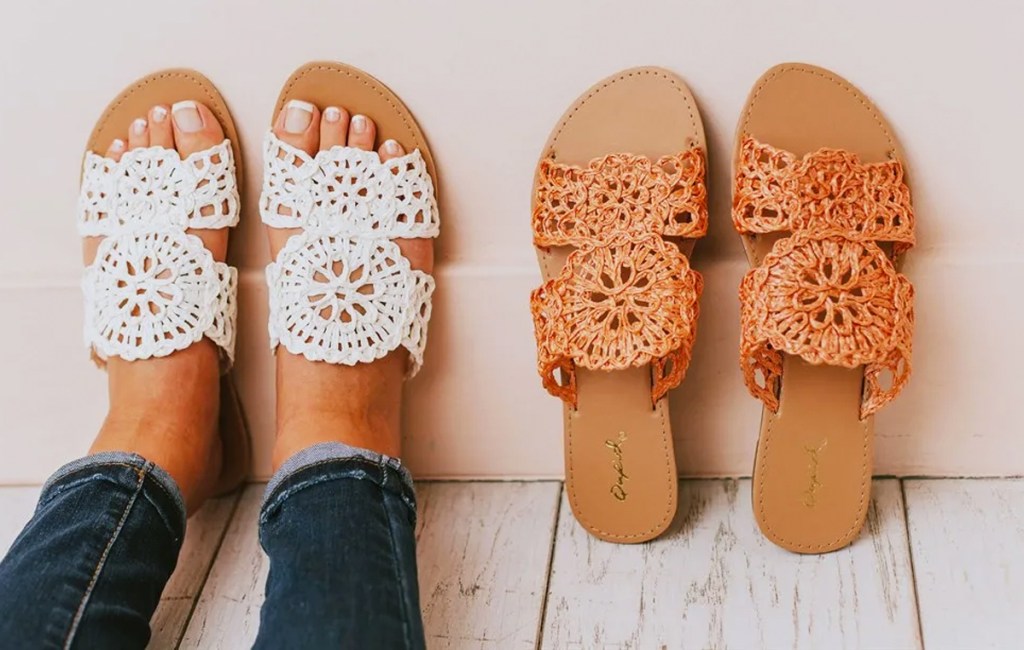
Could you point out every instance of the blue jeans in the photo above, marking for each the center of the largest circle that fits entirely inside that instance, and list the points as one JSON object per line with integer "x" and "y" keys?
{"x": 337, "y": 523}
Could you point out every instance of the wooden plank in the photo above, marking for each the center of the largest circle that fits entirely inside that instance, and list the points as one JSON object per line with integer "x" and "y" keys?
{"x": 203, "y": 536}
{"x": 713, "y": 581}
{"x": 483, "y": 552}
{"x": 966, "y": 538}
{"x": 16, "y": 507}
{"x": 227, "y": 614}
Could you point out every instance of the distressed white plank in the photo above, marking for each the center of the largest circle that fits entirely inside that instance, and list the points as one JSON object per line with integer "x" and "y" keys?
{"x": 966, "y": 538}
{"x": 713, "y": 581}
{"x": 227, "y": 614}
{"x": 203, "y": 535}
{"x": 16, "y": 507}
{"x": 483, "y": 552}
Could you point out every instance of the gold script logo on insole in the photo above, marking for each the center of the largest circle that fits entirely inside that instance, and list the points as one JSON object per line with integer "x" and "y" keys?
{"x": 813, "y": 477}
{"x": 618, "y": 488}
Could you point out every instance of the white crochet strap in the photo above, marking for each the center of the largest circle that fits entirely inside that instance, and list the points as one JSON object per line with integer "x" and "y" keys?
{"x": 347, "y": 300}
{"x": 341, "y": 291}
{"x": 151, "y": 292}
{"x": 348, "y": 192}
{"x": 154, "y": 187}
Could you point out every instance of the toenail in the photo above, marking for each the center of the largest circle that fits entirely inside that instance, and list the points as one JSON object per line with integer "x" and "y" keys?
{"x": 139, "y": 126}
{"x": 297, "y": 116}
{"x": 391, "y": 146}
{"x": 359, "y": 124}
{"x": 333, "y": 114}
{"x": 187, "y": 117}
{"x": 117, "y": 145}
{"x": 159, "y": 113}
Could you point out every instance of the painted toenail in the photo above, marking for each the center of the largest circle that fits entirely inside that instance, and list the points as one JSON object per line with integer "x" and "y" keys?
{"x": 139, "y": 126}
{"x": 391, "y": 146}
{"x": 297, "y": 116}
{"x": 333, "y": 114}
{"x": 117, "y": 145}
{"x": 187, "y": 117}
{"x": 159, "y": 113}
{"x": 359, "y": 124}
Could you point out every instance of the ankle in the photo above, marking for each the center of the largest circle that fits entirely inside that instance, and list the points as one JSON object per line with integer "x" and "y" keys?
{"x": 373, "y": 430}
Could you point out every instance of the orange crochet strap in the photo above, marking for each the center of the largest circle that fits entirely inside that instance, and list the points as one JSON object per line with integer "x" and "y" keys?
{"x": 826, "y": 191}
{"x": 621, "y": 193}
{"x": 827, "y": 300}
{"x": 630, "y": 301}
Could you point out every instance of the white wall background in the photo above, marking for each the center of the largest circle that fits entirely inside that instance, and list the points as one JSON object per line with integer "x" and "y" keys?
{"x": 487, "y": 81}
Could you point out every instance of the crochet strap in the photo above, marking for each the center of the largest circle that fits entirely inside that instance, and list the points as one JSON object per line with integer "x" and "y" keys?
{"x": 341, "y": 291}
{"x": 620, "y": 193}
{"x": 827, "y": 300}
{"x": 153, "y": 289}
{"x": 826, "y": 191}
{"x": 155, "y": 185}
{"x": 626, "y": 297}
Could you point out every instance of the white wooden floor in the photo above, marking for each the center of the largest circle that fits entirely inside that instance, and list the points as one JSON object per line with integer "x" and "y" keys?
{"x": 504, "y": 565}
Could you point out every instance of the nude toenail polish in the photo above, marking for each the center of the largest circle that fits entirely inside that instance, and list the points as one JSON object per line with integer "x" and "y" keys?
{"x": 159, "y": 113}
{"x": 187, "y": 117}
{"x": 359, "y": 124}
{"x": 391, "y": 146}
{"x": 332, "y": 114}
{"x": 297, "y": 116}
{"x": 139, "y": 126}
{"x": 117, "y": 145}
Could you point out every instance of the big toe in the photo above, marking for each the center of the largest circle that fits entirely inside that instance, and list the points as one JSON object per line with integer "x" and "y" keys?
{"x": 195, "y": 127}
{"x": 298, "y": 124}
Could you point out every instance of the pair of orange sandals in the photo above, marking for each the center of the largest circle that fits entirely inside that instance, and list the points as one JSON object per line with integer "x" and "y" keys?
{"x": 823, "y": 207}
{"x": 620, "y": 197}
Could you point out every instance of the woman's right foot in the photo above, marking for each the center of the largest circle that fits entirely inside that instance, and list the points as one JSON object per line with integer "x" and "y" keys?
{"x": 317, "y": 401}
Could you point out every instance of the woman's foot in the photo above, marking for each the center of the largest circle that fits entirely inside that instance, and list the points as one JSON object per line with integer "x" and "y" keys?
{"x": 320, "y": 402}
{"x": 165, "y": 408}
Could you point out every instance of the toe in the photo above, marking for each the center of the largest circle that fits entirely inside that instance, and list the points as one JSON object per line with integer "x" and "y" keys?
{"x": 195, "y": 127}
{"x": 116, "y": 149}
{"x": 298, "y": 124}
{"x": 361, "y": 133}
{"x": 333, "y": 128}
{"x": 390, "y": 149}
{"x": 138, "y": 134}
{"x": 160, "y": 133}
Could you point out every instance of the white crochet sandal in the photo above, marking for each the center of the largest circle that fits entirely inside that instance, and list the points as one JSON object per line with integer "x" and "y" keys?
{"x": 340, "y": 290}
{"x": 155, "y": 289}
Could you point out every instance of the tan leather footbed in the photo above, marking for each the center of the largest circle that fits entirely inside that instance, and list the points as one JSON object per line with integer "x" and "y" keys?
{"x": 327, "y": 83}
{"x": 646, "y": 111}
{"x": 812, "y": 469}
{"x": 166, "y": 88}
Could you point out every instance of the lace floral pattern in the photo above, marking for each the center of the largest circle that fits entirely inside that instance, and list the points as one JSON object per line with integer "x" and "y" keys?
{"x": 348, "y": 192}
{"x": 341, "y": 291}
{"x": 620, "y": 193}
{"x": 153, "y": 292}
{"x": 348, "y": 301}
{"x": 628, "y": 301}
{"x": 154, "y": 185}
{"x": 826, "y": 191}
{"x": 827, "y": 300}
{"x": 153, "y": 289}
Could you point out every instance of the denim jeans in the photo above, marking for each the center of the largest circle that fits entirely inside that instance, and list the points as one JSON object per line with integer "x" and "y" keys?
{"x": 337, "y": 523}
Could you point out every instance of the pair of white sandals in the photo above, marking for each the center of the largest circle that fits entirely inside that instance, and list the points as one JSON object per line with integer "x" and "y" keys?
{"x": 340, "y": 290}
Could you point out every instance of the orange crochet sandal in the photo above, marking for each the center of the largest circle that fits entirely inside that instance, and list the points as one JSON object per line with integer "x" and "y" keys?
{"x": 616, "y": 317}
{"x": 826, "y": 318}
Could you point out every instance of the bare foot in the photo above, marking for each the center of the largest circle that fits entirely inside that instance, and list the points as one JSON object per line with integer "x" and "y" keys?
{"x": 320, "y": 402}
{"x": 165, "y": 408}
